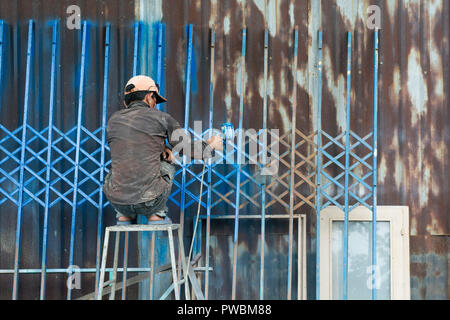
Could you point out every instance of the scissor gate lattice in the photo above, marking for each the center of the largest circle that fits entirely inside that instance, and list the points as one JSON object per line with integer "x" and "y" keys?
{"x": 46, "y": 166}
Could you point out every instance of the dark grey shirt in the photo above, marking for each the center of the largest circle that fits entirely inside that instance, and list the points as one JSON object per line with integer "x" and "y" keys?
{"x": 136, "y": 137}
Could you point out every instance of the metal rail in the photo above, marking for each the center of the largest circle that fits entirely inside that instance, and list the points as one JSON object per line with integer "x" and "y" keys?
{"x": 319, "y": 158}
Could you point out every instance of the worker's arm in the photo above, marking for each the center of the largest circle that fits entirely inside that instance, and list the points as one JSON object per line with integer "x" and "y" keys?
{"x": 182, "y": 142}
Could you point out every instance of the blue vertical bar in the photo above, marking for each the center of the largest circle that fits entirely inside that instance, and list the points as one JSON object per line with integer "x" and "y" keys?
{"x": 374, "y": 164}
{"x": 77, "y": 154}
{"x": 319, "y": 161}
{"x": 22, "y": 159}
{"x": 239, "y": 157}
{"x": 2, "y": 25}
{"x": 49, "y": 159}
{"x": 186, "y": 120}
{"x": 263, "y": 185}
{"x": 292, "y": 168}
{"x": 209, "y": 198}
{"x": 136, "y": 49}
{"x": 347, "y": 164}
{"x": 102, "y": 155}
{"x": 159, "y": 65}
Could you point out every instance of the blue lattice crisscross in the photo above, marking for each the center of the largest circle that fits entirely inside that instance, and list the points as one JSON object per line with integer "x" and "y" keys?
{"x": 36, "y": 159}
{"x": 8, "y": 176}
{"x": 360, "y": 180}
{"x": 333, "y": 181}
{"x": 246, "y": 176}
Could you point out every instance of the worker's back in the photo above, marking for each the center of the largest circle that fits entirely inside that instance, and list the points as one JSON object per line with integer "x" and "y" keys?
{"x": 136, "y": 137}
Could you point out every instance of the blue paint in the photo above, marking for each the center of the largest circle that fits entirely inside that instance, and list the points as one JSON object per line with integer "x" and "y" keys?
{"x": 137, "y": 27}
{"x": 22, "y": 159}
{"x": 374, "y": 164}
{"x": 193, "y": 66}
{"x": 292, "y": 179}
{"x": 264, "y": 160}
{"x": 209, "y": 176}
{"x": 2, "y": 25}
{"x": 161, "y": 51}
{"x": 49, "y": 156}
{"x": 318, "y": 160}
{"x": 347, "y": 165}
{"x": 77, "y": 152}
{"x": 238, "y": 165}
{"x": 187, "y": 93}
{"x": 102, "y": 156}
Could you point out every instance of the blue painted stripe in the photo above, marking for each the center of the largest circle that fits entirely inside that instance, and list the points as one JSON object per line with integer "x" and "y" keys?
{"x": 186, "y": 119}
{"x": 347, "y": 165}
{"x": 102, "y": 155}
{"x": 319, "y": 160}
{"x": 2, "y": 26}
{"x": 53, "y": 76}
{"x": 77, "y": 153}
{"x": 209, "y": 177}
{"x": 374, "y": 164}
{"x": 22, "y": 159}
{"x": 238, "y": 165}
{"x": 263, "y": 186}
{"x": 136, "y": 49}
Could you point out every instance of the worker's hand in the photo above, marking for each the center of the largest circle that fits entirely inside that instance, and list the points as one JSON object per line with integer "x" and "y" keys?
{"x": 216, "y": 142}
{"x": 168, "y": 155}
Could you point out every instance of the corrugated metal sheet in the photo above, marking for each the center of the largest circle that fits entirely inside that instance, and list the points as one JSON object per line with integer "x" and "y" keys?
{"x": 413, "y": 110}
{"x": 413, "y": 94}
{"x": 16, "y": 15}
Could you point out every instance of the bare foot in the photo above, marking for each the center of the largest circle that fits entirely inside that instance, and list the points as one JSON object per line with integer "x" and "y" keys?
{"x": 124, "y": 219}
{"x": 155, "y": 218}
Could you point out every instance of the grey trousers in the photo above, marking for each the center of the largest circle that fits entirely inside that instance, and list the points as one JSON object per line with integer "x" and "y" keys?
{"x": 157, "y": 206}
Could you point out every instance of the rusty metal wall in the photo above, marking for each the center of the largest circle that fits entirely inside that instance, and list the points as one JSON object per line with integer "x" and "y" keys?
{"x": 16, "y": 15}
{"x": 413, "y": 106}
{"x": 413, "y": 97}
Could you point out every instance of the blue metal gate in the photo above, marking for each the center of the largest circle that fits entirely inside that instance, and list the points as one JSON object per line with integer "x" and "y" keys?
{"x": 46, "y": 165}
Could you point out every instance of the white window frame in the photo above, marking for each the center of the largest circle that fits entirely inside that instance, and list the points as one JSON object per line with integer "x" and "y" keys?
{"x": 398, "y": 216}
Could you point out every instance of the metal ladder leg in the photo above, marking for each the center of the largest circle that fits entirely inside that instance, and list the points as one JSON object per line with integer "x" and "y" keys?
{"x": 116, "y": 259}
{"x": 176, "y": 285}
{"x": 185, "y": 265}
{"x": 102, "y": 270}
{"x": 152, "y": 264}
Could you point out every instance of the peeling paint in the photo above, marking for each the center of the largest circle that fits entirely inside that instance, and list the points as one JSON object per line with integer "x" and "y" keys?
{"x": 285, "y": 118}
{"x": 291, "y": 13}
{"x": 270, "y": 11}
{"x": 382, "y": 169}
{"x": 237, "y": 77}
{"x": 395, "y": 92}
{"x": 424, "y": 187}
{"x": 348, "y": 11}
{"x": 149, "y": 11}
{"x": 337, "y": 90}
{"x": 391, "y": 9}
{"x": 416, "y": 85}
{"x": 413, "y": 81}
{"x": 213, "y": 14}
{"x": 226, "y": 25}
{"x": 227, "y": 101}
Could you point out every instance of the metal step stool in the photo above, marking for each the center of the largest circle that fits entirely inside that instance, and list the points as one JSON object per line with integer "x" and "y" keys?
{"x": 140, "y": 228}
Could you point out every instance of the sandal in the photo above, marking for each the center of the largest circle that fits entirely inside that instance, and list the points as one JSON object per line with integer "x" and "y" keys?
{"x": 125, "y": 223}
{"x": 159, "y": 222}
